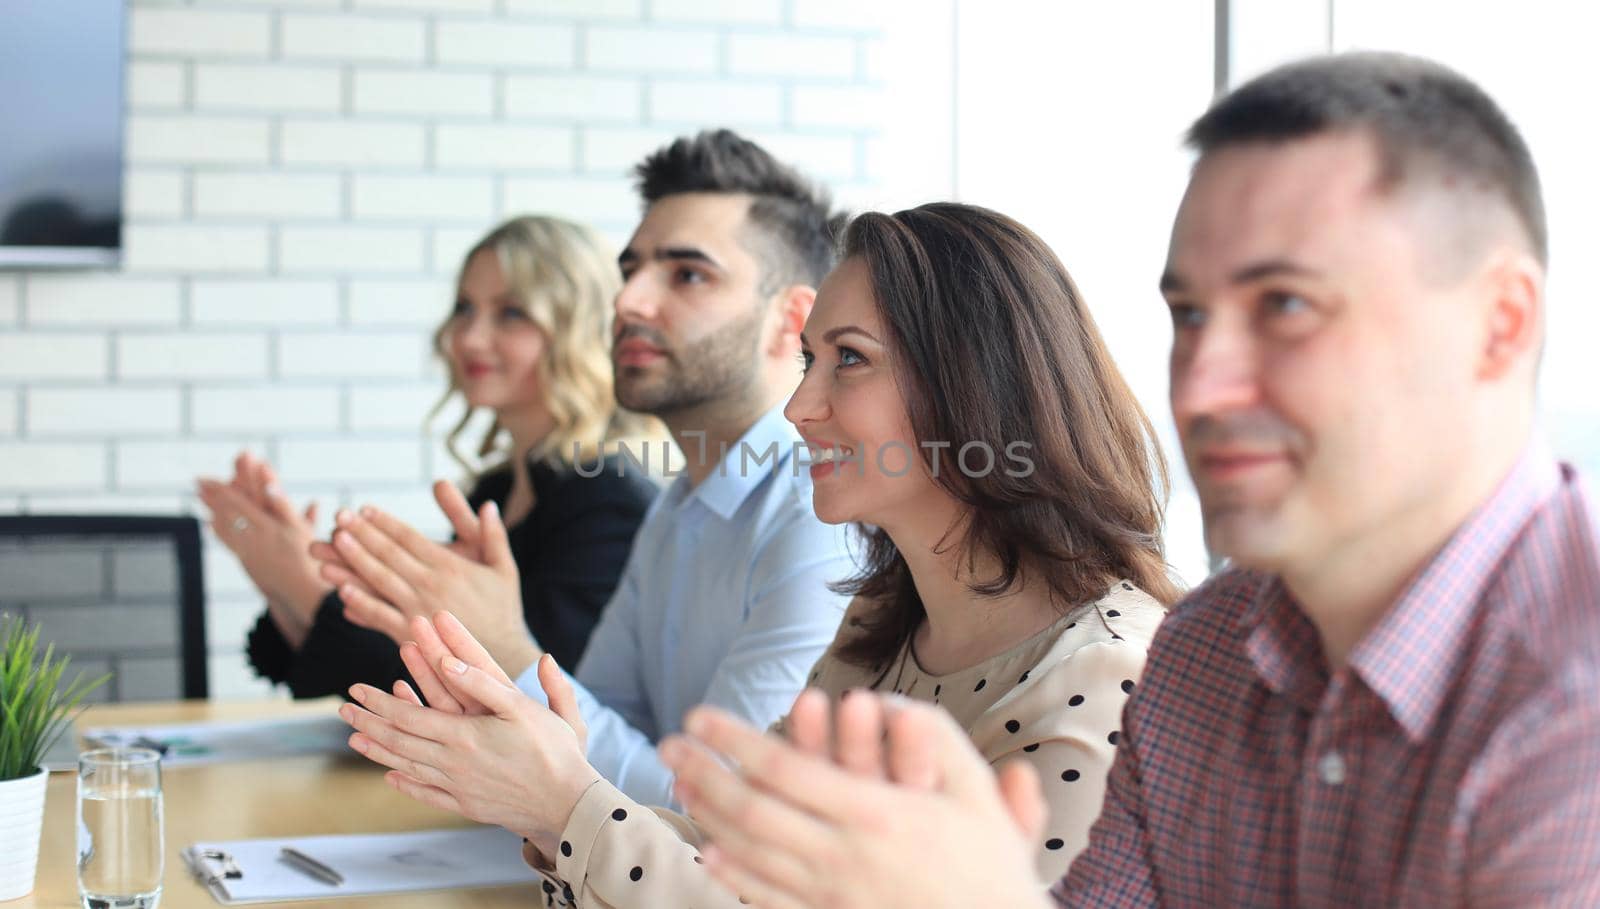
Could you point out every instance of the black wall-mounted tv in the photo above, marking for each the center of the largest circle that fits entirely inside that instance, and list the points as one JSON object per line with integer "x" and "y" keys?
{"x": 61, "y": 104}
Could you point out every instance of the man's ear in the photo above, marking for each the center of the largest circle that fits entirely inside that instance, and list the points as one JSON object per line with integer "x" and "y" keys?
{"x": 793, "y": 307}
{"x": 1513, "y": 329}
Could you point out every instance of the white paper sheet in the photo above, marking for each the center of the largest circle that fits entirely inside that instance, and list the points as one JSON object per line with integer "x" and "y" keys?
{"x": 246, "y": 740}
{"x": 370, "y": 863}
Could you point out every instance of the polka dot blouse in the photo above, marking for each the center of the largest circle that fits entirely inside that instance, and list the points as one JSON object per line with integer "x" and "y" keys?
{"x": 1055, "y": 701}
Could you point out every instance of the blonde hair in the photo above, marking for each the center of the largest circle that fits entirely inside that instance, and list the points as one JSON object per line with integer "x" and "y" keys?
{"x": 565, "y": 277}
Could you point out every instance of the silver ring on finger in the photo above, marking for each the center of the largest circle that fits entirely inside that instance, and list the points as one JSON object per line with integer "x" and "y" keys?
{"x": 241, "y": 524}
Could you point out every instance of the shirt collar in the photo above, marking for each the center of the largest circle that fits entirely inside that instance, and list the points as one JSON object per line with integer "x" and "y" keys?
{"x": 1283, "y": 645}
{"x": 1411, "y": 656}
{"x": 744, "y": 466}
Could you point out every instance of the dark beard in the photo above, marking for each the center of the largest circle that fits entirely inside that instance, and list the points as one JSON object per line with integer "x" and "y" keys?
{"x": 712, "y": 370}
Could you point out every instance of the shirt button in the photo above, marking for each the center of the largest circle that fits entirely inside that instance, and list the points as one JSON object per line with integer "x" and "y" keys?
{"x": 1331, "y": 768}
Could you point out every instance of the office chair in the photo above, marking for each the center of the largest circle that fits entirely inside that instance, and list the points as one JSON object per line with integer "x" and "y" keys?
{"x": 121, "y": 594}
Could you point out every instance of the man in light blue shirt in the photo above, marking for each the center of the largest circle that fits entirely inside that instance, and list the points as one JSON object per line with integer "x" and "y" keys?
{"x": 724, "y": 601}
{"x": 725, "y": 598}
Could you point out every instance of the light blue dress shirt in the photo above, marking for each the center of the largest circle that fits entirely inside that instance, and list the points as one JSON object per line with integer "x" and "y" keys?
{"x": 724, "y": 601}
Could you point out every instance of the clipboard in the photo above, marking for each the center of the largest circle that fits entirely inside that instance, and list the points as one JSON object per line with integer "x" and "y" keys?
{"x": 251, "y": 871}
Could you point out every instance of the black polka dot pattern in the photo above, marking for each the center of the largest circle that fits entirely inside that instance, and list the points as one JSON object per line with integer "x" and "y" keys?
{"x": 1054, "y": 843}
{"x": 1126, "y": 586}
{"x": 566, "y": 849}
{"x": 1075, "y": 700}
{"x": 1031, "y": 748}
{"x": 621, "y": 814}
{"x": 635, "y": 874}
{"x": 981, "y": 683}
{"x": 1012, "y": 726}
{"x": 1112, "y": 613}
{"x": 1127, "y": 686}
{"x": 1112, "y": 738}
{"x": 1070, "y": 776}
{"x": 1023, "y": 679}
{"x": 937, "y": 689}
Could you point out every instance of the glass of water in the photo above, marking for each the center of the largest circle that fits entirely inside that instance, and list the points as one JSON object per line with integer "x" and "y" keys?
{"x": 120, "y": 849}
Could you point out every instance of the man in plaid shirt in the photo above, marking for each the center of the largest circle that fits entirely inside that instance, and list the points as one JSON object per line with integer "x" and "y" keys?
{"x": 1392, "y": 696}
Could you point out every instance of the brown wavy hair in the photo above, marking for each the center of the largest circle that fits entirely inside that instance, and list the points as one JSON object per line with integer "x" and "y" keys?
{"x": 993, "y": 344}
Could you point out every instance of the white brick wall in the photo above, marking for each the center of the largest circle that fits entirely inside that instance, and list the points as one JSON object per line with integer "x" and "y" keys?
{"x": 648, "y": 49}
{"x": 278, "y": 408}
{"x": 53, "y": 467}
{"x": 499, "y": 44}
{"x": 25, "y": 356}
{"x": 268, "y": 194}
{"x": 423, "y": 93}
{"x": 383, "y": 197}
{"x": 192, "y": 356}
{"x": 104, "y": 412}
{"x": 199, "y": 33}
{"x": 228, "y": 86}
{"x": 184, "y": 139}
{"x": 336, "y": 249}
{"x": 10, "y": 294}
{"x": 195, "y": 248}
{"x": 99, "y": 300}
{"x": 352, "y": 143}
{"x": 354, "y": 38}
{"x": 10, "y": 409}
{"x": 264, "y": 302}
{"x": 148, "y": 193}
{"x": 157, "y": 85}
{"x": 591, "y": 99}
{"x": 698, "y": 102}
{"x": 502, "y": 147}
{"x": 402, "y": 354}
{"x": 302, "y": 179}
{"x": 420, "y": 304}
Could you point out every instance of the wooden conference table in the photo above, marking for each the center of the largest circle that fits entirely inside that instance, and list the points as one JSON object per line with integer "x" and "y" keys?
{"x": 283, "y": 797}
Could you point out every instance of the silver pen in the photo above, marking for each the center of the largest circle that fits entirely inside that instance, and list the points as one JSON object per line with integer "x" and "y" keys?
{"x": 311, "y": 866}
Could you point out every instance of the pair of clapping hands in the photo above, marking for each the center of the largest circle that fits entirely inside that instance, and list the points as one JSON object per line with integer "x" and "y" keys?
{"x": 885, "y": 803}
{"x": 882, "y": 803}
{"x": 480, "y": 748}
{"x": 386, "y": 572}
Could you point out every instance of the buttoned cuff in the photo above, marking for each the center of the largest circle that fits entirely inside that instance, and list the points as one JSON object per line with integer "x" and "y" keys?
{"x": 600, "y": 804}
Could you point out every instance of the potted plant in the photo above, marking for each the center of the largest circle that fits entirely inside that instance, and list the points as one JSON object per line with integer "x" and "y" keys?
{"x": 34, "y": 711}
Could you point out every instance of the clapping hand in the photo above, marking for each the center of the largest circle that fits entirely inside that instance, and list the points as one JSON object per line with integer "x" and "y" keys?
{"x": 483, "y": 750}
{"x": 257, "y": 522}
{"x": 889, "y": 806}
{"x": 388, "y": 573}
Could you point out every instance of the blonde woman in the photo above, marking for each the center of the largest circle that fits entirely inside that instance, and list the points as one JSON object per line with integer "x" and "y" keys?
{"x": 528, "y": 341}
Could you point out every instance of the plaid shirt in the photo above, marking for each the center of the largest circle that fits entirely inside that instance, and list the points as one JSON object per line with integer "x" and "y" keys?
{"x": 1455, "y": 761}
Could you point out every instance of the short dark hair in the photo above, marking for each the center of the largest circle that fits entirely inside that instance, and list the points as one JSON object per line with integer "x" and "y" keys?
{"x": 994, "y": 345}
{"x": 796, "y": 228}
{"x": 1422, "y": 115}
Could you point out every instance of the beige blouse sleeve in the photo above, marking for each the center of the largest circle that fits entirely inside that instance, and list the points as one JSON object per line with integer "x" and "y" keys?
{"x": 1065, "y": 723}
{"x": 617, "y": 853}
{"x": 1062, "y": 718}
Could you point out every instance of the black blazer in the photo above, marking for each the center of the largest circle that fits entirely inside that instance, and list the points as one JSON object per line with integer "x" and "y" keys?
{"x": 570, "y": 552}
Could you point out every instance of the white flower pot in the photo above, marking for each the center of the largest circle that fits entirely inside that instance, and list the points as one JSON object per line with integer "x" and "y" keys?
{"x": 21, "y": 820}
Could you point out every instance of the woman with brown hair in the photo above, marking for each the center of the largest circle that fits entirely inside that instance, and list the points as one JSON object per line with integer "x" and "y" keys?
{"x": 960, "y": 405}
{"x": 527, "y": 342}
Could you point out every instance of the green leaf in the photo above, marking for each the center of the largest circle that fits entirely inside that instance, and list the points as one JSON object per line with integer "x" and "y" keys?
{"x": 34, "y": 709}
